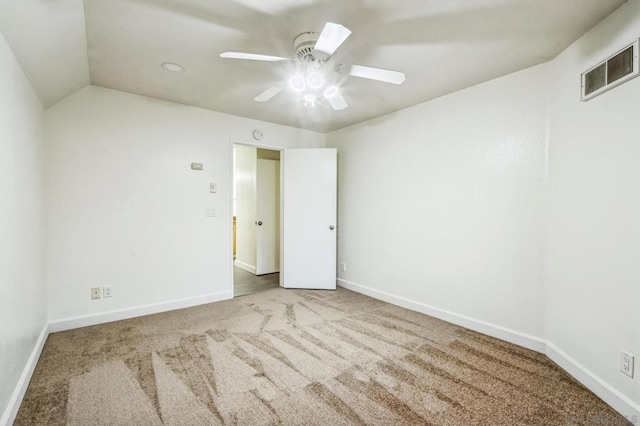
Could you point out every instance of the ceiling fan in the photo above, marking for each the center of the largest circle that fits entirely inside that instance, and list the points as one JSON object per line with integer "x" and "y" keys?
{"x": 317, "y": 77}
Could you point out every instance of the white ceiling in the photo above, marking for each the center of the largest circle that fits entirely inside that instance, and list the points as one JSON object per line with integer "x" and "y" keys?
{"x": 441, "y": 45}
{"x": 48, "y": 39}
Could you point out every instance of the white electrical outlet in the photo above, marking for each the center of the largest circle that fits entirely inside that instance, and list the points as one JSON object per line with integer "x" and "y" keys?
{"x": 106, "y": 291}
{"x": 210, "y": 212}
{"x": 626, "y": 363}
{"x": 343, "y": 267}
{"x": 96, "y": 292}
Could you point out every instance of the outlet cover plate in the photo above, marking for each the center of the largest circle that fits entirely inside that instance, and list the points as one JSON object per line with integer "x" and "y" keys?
{"x": 106, "y": 291}
{"x": 626, "y": 363}
{"x": 96, "y": 292}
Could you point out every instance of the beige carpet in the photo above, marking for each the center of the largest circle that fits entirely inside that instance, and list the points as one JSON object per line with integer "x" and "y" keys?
{"x": 298, "y": 358}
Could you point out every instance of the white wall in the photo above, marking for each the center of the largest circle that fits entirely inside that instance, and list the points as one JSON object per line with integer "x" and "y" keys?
{"x": 245, "y": 176}
{"x": 592, "y": 279}
{"x": 22, "y": 235}
{"x": 127, "y": 211}
{"x": 513, "y": 203}
{"x": 442, "y": 203}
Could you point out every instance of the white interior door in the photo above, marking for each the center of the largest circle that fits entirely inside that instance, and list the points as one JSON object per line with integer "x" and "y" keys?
{"x": 309, "y": 218}
{"x": 267, "y": 217}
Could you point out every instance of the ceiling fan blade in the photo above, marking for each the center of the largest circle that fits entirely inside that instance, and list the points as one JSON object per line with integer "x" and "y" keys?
{"x": 268, "y": 94}
{"x": 331, "y": 37}
{"x": 388, "y": 76}
{"x": 337, "y": 101}
{"x": 252, "y": 57}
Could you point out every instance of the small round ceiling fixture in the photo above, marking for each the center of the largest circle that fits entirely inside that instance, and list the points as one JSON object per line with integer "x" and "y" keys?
{"x": 173, "y": 67}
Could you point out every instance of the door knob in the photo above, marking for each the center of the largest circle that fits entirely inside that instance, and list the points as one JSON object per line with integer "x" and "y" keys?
{"x": 332, "y": 227}
{"x": 259, "y": 223}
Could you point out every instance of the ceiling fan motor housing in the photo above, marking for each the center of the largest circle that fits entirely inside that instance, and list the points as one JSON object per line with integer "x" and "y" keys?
{"x": 303, "y": 46}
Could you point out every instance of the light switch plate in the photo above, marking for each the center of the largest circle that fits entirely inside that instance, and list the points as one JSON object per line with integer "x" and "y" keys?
{"x": 213, "y": 187}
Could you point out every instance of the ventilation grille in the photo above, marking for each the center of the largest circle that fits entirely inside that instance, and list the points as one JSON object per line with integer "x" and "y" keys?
{"x": 612, "y": 72}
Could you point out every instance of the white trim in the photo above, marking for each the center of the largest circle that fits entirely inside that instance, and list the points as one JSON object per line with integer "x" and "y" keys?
{"x": 121, "y": 314}
{"x": 602, "y": 389}
{"x": 10, "y": 413}
{"x": 595, "y": 384}
{"x": 521, "y": 339}
{"x": 245, "y": 266}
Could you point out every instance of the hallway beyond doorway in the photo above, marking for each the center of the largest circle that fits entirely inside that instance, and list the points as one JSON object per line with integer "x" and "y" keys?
{"x": 247, "y": 283}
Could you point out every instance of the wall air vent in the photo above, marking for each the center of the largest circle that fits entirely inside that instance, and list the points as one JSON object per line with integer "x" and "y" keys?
{"x": 612, "y": 72}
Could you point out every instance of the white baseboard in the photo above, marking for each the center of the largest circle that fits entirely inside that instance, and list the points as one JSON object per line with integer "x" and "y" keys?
{"x": 13, "y": 406}
{"x": 121, "y": 314}
{"x": 595, "y": 384}
{"x": 245, "y": 266}
{"x": 605, "y": 391}
{"x": 521, "y": 339}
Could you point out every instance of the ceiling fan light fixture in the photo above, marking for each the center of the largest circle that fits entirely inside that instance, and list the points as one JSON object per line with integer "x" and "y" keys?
{"x": 330, "y": 92}
{"x": 297, "y": 83}
{"x": 315, "y": 80}
{"x": 309, "y": 99}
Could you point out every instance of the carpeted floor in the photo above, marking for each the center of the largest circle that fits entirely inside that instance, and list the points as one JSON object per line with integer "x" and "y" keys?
{"x": 297, "y": 358}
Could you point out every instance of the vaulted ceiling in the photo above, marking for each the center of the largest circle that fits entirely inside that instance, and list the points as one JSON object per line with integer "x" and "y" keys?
{"x": 441, "y": 45}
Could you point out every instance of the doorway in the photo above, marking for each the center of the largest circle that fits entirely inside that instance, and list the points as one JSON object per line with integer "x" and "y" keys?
{"x": 256, "y": 219}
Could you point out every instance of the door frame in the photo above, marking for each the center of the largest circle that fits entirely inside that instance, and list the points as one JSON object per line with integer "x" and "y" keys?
{"x": 252, "y": 144}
